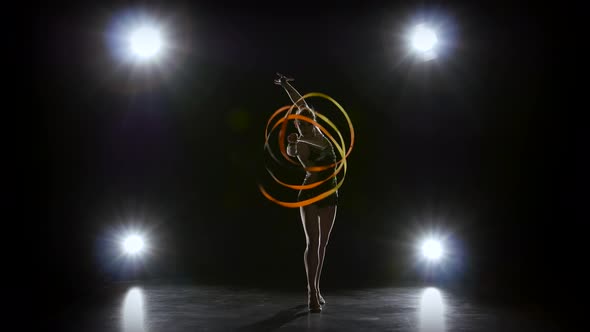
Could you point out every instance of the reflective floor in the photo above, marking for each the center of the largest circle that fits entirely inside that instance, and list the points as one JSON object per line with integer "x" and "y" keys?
{"x": 137, "y": 308}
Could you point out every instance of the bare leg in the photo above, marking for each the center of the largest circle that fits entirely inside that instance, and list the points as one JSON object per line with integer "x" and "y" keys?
{"x": 327, "y": 217}
{"x": 310, "y": 219}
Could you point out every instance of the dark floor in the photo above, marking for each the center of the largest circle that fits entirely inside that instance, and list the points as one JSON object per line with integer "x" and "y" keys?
{"x": 205, "y": 308}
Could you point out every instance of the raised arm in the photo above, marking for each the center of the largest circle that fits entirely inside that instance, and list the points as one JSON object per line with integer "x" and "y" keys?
{"x": 295, "y": 96}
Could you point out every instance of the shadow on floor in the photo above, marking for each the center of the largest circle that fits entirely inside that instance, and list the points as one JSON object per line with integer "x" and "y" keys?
{"x": 276, "y": 321}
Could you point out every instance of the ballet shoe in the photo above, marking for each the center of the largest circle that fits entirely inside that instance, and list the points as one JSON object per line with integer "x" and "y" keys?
{"x": 321, "y": 299}
{"x": 314, "y": 306}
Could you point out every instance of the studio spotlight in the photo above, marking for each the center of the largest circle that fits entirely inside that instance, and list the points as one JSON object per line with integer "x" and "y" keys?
{"x": 145, "y": 42}
{"x": 133, "y": 245}
{"x": 432, "y": 249}
{"x": 423, "y": 42}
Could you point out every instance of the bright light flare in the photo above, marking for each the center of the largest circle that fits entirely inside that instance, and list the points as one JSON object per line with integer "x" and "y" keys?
{"x": 145, "y": 42}
{"x": 423, "y": 42}
{"x": 423, "y": 38}
{"x": 432, "y": 249}
{"x": 133, "y": 245}
{"x": 139, "y": 38}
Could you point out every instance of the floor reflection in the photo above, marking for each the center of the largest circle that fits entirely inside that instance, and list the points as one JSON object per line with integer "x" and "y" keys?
{"x": 432, "y": 311}
{"x": 133, "y": 311}
{"x": 180, "y": 308}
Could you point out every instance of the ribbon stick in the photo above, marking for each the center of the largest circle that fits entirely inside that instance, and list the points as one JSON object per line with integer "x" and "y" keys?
{"x": 339, "y": 165}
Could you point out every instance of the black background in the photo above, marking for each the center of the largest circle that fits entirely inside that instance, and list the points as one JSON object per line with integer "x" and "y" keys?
{"x": 470, "y": 144}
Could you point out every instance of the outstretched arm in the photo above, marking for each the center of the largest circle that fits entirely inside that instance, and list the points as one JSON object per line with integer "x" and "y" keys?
{"x": 295, "y": 96}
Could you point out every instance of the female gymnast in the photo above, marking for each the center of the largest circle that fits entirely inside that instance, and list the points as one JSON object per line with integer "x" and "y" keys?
{"x": 312, "y": 148}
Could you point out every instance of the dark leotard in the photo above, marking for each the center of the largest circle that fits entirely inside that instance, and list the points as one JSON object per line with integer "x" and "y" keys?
{"x": 321, "y": 157}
